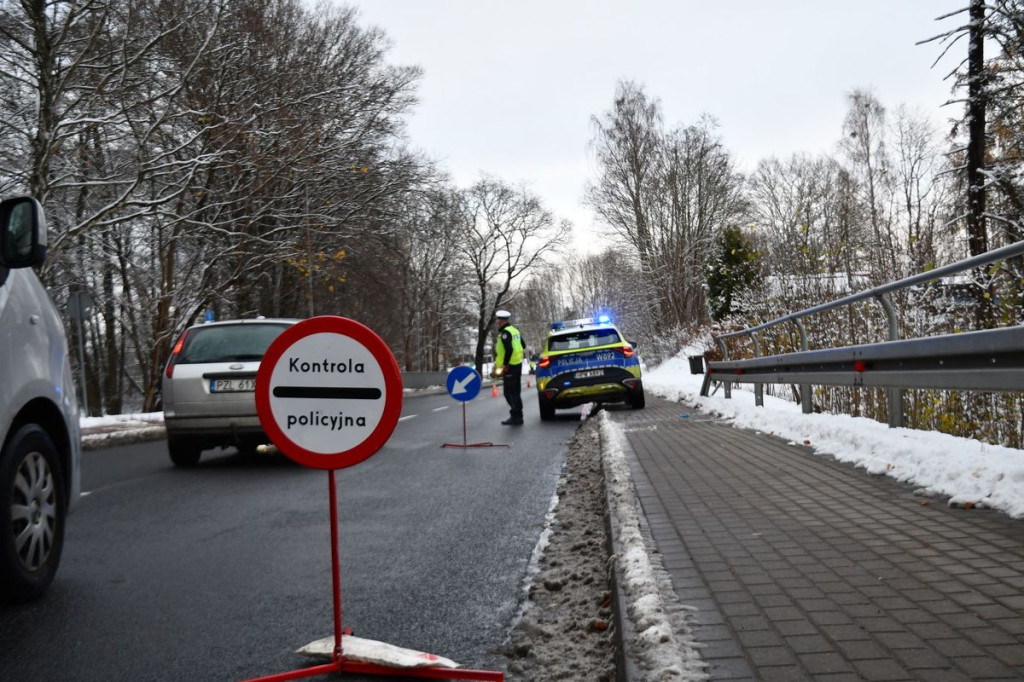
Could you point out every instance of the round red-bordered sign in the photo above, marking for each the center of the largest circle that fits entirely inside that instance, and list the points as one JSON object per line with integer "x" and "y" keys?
{"x": 328, "y": 392}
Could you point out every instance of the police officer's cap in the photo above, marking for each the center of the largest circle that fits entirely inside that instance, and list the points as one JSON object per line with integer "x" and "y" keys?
{"x": 503, "y": 314}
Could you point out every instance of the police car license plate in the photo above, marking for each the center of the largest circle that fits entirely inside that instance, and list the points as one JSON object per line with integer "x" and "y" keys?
{"x": 247, "y": 385}
{"x": 590, "y": 373}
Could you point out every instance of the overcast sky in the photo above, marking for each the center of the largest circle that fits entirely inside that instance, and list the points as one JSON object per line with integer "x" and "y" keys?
{"x": 510, "y": 87}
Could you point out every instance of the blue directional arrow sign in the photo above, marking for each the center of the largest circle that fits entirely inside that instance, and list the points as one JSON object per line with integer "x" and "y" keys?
{"x": 463, "y": 383}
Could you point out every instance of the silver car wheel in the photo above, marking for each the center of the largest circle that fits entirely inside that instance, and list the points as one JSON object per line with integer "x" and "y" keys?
{"x": 34, "y": 511}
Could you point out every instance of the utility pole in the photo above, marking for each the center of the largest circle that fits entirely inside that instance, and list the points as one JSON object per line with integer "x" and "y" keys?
{"x": 309, "y": 256}
{"x": 80, "y": 307}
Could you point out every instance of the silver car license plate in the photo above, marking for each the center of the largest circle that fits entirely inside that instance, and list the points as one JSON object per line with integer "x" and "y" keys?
{"x": 246, "y": 385}
{"x": 590, "y": 373}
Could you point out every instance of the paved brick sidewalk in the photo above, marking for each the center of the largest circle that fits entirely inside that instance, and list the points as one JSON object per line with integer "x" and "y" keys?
{"x": 804, "y": 568}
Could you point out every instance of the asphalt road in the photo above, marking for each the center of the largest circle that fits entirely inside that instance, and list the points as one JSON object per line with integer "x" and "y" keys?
{"x": 221, "y": 572}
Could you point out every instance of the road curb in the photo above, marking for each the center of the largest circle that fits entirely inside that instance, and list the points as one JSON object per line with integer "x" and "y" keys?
{"x": 626, "y": 669}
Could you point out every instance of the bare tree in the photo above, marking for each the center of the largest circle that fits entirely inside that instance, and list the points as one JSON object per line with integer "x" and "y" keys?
{"x": 197, "y": 154}
{"x": 917, "y": 162}
{"x": 663, "y": 194}
{"x": 79, "y": 77}
{"x": 627, "y": 143}
{"x": 580, "y": 286}
{"x": 807, "y": 228}
{"x": 541, "y": 301}
{"x": 610, "y": 282}
{"x": 699, "y": 194}
{"x": 294, "y": 120}
{"x": 85, "y": 93}
{"x": 865, "y": 145}
{"x": 507, "y": 234}
{"x": 420, "y": 278}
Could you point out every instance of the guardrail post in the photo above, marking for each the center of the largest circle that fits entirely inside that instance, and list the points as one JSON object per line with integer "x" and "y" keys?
{"x": 894, "y": 396}
{"x": 806, "y": 399}
{"x": 758, "y": 387}
{"x": 727, "y": 386}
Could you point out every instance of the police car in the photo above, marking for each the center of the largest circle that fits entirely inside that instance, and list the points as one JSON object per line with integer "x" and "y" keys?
{"x": 587, "y": 360}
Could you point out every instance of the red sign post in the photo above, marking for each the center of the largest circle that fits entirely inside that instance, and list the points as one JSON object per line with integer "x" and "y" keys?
{"x": 329, "y": 395}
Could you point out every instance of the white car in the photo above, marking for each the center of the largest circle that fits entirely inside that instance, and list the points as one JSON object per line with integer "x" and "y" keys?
{"x": 209, "y": 387}
{"x": 40, "y": 441}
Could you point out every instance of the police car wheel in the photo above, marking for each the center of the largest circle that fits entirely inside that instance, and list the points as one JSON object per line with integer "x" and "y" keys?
{"x": 638, "y": 401}
{"x": 547, "y": 410}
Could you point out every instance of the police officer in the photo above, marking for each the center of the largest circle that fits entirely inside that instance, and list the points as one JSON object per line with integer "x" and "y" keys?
{"x": 508, "y": 359}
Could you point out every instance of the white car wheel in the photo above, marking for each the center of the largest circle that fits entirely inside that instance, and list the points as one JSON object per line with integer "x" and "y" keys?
{"x": 32, "y": 514}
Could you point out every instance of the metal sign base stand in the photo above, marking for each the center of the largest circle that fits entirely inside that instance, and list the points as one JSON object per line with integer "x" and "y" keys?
{"x": 464, "y": 444}
{"x": 340, "y": 664}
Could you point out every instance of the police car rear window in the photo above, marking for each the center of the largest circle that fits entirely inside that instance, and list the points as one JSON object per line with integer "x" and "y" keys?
{"x": 590, "y": 338}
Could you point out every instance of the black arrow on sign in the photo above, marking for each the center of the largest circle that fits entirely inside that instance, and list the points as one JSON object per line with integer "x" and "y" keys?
{"x": 335, "y": 392}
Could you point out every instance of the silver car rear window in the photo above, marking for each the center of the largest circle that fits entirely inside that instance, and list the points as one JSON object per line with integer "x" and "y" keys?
{"x": 589, "y": 338}
{"x": 229, "y": 342}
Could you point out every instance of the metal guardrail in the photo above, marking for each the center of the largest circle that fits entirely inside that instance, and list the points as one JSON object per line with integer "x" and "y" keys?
{"x": 989, "y": 360}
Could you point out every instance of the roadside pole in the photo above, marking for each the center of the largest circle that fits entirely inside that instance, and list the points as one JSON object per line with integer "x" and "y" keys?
{"x": 80, "y": 307}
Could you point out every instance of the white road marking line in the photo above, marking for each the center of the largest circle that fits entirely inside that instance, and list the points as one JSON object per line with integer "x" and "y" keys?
{"x": 85, "y": 494}
{"x": 438, "y": 409}
{"x": 408, "y": 416}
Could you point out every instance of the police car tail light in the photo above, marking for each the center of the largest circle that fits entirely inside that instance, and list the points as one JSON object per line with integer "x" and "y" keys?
{"x": 627, "y": 351}
{"x": 544, "y": 363}
{"x": 631, "y": 383}
{"x": 550, "y": 393}
{"x": 174, "y": 355}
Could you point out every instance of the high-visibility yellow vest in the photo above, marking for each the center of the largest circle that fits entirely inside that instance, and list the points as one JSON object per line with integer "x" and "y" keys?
{"x": 515, "y": 357}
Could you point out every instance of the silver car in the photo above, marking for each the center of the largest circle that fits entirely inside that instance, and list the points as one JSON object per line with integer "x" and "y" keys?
{"x": 40, "y": 444}
{"x": 209, "y": 387}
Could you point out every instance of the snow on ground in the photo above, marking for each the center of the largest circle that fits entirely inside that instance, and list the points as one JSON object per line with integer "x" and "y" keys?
{"x": 121, "y": 429}
{"x": 149, "y": 418}
{"x": 666, "y": 649}
{"x": 966, "y": 470}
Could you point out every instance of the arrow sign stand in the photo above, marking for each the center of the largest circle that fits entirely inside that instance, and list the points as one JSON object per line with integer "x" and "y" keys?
{"x": 464, "y": 444}
{"x": 464, "y": 385}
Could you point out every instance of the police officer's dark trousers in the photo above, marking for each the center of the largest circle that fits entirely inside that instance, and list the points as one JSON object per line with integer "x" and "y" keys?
{"x": 514, "y": 392}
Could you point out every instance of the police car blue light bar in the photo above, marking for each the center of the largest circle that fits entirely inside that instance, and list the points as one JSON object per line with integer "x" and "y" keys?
{"x": 582, "y": 321}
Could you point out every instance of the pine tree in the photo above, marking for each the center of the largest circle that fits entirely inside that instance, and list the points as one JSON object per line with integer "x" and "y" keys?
{"x": 734, "y": 268}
